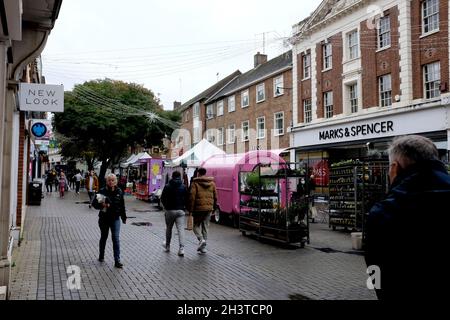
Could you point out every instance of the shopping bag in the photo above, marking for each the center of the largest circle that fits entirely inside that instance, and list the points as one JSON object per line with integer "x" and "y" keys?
{"x": 190, "y": 222}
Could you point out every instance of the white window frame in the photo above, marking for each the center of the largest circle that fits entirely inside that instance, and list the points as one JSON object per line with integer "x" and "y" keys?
{"x": 231, "y": 98}
{"x": 426, "y": 16}
{"x": 278, "y": 83}
{"x": 210, "y": 111}
{"x": 385, "y": 89}
{"x": 328, "y": 104}
{"x": 220, "y": 136}
{"x": 258, "y": 87}
{"x": 231, "y": 134}
{"x": 353, "y": 97}
{"x": 432, "y": 85}
{"x": 245, "y": 93}
{"x": 327, "y": 56}
{"x": 306, "y": 60}
{"x": 196, "y": 110}
{"x": 197, "y": 134}
{"x": 352, "y": 45}
{"x": 243, "y": 136}
{"x": 210, "y": 137}
{"x": 278, "y": 131}
{"x": 384, "y": 32}
{"x": 258, "y": 131}
{"x": 307, "y": 113}
{"x": 220, "y": 108}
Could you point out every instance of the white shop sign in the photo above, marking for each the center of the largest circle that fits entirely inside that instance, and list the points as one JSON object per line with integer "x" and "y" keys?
{"x": 41, "y": 97}
{"x": 417, "y": 121}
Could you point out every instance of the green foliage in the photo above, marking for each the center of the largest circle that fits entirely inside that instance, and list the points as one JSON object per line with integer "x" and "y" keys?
{"x": 102, "y": 118}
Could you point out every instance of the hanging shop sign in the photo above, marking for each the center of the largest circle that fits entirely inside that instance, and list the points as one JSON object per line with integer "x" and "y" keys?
{"x": 391, "y": 125}
{"x": 41, "y": 97}
{"x": 41, "y": 129}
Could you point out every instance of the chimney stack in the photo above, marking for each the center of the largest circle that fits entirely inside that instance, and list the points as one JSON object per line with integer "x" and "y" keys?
{"x": 260, "y": 59}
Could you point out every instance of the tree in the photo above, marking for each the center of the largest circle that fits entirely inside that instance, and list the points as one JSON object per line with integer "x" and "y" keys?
{"x": 103, "y": 118}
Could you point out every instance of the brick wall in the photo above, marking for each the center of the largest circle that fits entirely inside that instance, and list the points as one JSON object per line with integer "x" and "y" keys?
{"x": 377, "y": 63}
{"x": 431, "y": 48}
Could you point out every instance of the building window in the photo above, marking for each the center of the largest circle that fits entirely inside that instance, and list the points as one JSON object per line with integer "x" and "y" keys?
{"x": 260, "y": 128}
{"x": 430, "y": 16}
{"x": 385, "y": 90}
{"x": 220, "y": 136}
{"x": 278, "y": 86}
{"x": 197, "y": 135}
{"x": 327, "y": 56}
{"x": 279, "y": 123}
{"x": 353, "y": 97}
{"x": 306, "y": 65}
{"x": 244, "y": 99}
{"x": 353, "y": 45}
{"x": 384, "y": 32}
{"x": 220, "y": 108}
{"x": 196, "y": 112}
{"x": 260, "y": 93}
{"x": 328, "y": 104}
{"x": 432, "y": 79}
{"x": 210, "y": 135}
{"x": 307, "y": 110}
{"x": 231, "y": 104}
{"x": 210, "y": 111}
{"x": 245, "y": 130}
{"x": 231, "y": 134}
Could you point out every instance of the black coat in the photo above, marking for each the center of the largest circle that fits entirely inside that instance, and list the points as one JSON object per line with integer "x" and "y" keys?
{"x": 406, "y": 234}
{"x": 117, "y": 204}
{"x": 174, "y": 195}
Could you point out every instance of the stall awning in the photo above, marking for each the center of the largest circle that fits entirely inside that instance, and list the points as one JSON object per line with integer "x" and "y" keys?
{"x": 129, "y": 161}
{"x": 199, "y": 153}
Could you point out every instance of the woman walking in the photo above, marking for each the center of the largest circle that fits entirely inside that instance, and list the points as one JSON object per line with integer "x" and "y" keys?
{"x": 62, "y": 184}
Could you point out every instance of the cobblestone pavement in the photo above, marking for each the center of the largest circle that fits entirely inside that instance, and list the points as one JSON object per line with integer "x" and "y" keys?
{"x": 64, "y": 232}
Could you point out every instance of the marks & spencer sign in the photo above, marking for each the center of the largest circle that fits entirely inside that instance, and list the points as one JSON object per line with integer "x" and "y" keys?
{"x": 357, "y": 130}
{"x": 41, "y": 97}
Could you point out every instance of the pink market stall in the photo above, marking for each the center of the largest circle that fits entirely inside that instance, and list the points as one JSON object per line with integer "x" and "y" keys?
{"x": 150, "y": 176}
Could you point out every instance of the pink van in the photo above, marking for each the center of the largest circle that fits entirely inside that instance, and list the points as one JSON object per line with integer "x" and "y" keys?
{"x": 225, "y": 170}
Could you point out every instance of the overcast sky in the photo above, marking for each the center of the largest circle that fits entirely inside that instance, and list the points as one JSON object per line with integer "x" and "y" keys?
{"x": 175, "y": 48}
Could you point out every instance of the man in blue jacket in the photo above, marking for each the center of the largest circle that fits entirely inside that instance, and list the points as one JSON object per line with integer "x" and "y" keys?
{"x": 405, "y": 233}
{"x": 173, "y": 198}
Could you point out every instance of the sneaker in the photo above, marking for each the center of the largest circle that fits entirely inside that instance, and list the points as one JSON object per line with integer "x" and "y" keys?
{"x": 203, "y": 250}
{"x": 201, "y": 245}
{"x": 166, "y": 247}
{"x": 118, "y": 265}
{"x": 181, "y": 252}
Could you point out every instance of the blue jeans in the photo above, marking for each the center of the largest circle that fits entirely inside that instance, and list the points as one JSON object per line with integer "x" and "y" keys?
{"x": 114, "y": 225}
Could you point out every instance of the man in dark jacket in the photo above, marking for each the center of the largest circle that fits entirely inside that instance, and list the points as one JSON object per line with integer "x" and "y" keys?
{"x": 111, "y": 204}
{"x": 405, "y": 238}
{"x": 202, "y": 201}
{"x": 173, "y": 198}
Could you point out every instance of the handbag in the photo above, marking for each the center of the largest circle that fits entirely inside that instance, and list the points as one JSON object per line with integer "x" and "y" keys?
{"x": 190, "y": 222}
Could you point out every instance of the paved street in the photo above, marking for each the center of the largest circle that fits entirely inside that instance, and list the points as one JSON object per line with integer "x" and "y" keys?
{"x": 64, "y": 232}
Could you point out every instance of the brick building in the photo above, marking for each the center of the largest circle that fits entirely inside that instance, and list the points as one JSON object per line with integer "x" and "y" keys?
{"x": 367, "y": 71}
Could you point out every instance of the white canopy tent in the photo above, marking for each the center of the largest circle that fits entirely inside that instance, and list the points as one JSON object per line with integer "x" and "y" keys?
{"x": 132, "y": 159}
{"x": 196, "y": 155}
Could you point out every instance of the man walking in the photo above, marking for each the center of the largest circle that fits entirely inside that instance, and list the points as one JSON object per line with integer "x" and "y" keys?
{"x": 91, "y": 186}
{"x": 202, "y": 201}
{"x": 174, "y": 198}
{"x": 406, "y": 233}
{"x": 111, "y": 204}
{"x": 77, "y": 179}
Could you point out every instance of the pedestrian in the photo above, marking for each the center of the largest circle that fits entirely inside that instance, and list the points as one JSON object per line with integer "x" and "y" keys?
{"x": 63, "y": 184}
{"x": 77, "y": 179}
{"x": 91, "y": 186}
{"x": 49, "y": 181}
{"x": 173, "y": 198}
{"x": 55, "y": 179}
{"x": 202, "y": 201}
{"x": 403, "y": 245}
{"x": 111, "y": 204}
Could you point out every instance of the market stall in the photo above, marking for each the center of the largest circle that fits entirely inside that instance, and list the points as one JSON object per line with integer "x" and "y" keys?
{"x": 150, "y": 175}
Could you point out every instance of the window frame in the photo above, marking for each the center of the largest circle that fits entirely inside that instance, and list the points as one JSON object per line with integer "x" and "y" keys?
{"x": 385, "y": 95}
{"x": 435, "y": 82}
{"x": 328, "y": 108}
{"x": 233, "y": 97}
{"x": 325, "y": 57}
{"x": 258, "y": 137}
{"x": 428, "y": 16}
{"x": 229, "y": 130}
{"x": 220, "y": 136}
{"x": 275, "y": 86}
{"x": 355, "y": 45}
{"x": 220, "y": 106}
{"x": 382, "y": 35}
{"x": 263, "y": 91}
{"x": 354, "y": 107}
{"x": 196, "y": 110}
{"x": 243, "y": 139}
{"x": 247, "y": 94}
{"x": 275, "y": 133}
{"x": 306, "y": 112}
{"x": 210, "y": 115}
{"x": 306, "y": 58}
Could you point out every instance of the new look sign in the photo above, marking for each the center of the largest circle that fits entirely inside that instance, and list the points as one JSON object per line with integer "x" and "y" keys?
{"x": 41, "y": 97}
